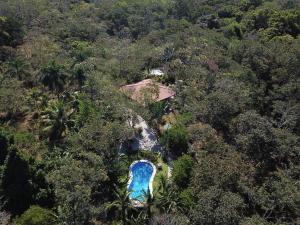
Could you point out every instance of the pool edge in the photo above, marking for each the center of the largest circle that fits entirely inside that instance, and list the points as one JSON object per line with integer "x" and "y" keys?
{"x": 137, "y": 203}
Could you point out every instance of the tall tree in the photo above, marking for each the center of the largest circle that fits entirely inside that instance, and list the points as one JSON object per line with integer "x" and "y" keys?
{"x": 16, "y": 184}
{"x": 122, "y": 204}
{"x": 18, "y": 68}
{"x": 57, "y": 120}
{"x": 54, "y": 77}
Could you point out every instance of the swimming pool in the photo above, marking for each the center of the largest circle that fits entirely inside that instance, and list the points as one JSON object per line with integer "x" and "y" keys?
{"x": 141, "y": 173}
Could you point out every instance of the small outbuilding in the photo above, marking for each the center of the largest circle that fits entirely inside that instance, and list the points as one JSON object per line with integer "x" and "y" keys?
{"x": 156, "y": 72}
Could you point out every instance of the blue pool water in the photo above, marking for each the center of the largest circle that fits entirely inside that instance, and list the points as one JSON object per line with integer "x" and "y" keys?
{"x": 141, "y": 172}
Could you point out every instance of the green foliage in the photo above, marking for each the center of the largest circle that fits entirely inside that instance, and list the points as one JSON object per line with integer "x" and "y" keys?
{"x": 16, "y": 184}
{"x": 227, "y": 100}
{"x": 233, "y": 29}
{"x": 187, "y": 199}
{"x": 234, "y": 66}
{"x": 254, "y": 137}
{"x": 23, "y": 182}
{"x": 272, "y": 22}
{"x": 175, "y": 139}
{"x": 6, "y": 139}
{"x": 255, "y": 220}
{"x": 53, "y": 76}
{"x": 122, "y": 205}
{"x": 18, "y": 68}
{"x": 11, "y": 32}
{"x": 100, "y": 137}
{"x": 24, "y": 140}
{"x": 57, "y": 120}
{"x": 182, "y": 171}
{"x": 85, "y": 110}
{"x": 36, "y": 215}
{"x": 12, "y": 98}
{"x": 215, "y": 206}
{"x": 280, "y": 193}
{"x": 248, "y": 4}
{"x": 168, "y": 199}
{"x": 157, "y": 110}
{"x": 80, "y": 51}
{"x": 75, "y": 195}
{"x": 170, "y": 219}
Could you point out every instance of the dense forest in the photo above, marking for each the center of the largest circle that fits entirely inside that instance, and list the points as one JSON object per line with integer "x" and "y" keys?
{"x": 234, "y": 124}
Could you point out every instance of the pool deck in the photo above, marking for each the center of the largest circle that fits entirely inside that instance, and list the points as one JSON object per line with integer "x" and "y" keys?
{"x": 137, "y": 203}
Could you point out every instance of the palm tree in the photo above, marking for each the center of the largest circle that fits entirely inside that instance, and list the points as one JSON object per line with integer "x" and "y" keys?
{"x": 17, "y": 68}
{"x": 122, "y": 204}
{"x": 57, "y": 120}
{"x": 79, "y": 74}
{"x": 150, "y": 202}
{"x": 140, "y": 218}
{"x": 54, "y": 76}
{"x": 168, "y": 199}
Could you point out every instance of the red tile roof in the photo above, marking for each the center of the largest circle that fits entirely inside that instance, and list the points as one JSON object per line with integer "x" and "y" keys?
{"x": 137, "y": 90}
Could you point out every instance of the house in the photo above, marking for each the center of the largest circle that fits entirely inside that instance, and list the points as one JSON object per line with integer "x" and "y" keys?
{"x": 148, "y": 89}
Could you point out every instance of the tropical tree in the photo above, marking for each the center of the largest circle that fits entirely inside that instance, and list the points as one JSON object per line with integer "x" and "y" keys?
{"x": 12, "y": 98}
{"x": 170, "y": 219}
{"x": 175, "y": 139}
{"x": 168, "y": 199}
{"x": 57, "y": 120}
{"x": 122, "y": 204}
{"x": 54, "y": 77}
{"x": 182, "y": 171}
{"x": 36, "y": 215}
{"x": 150, "y": 202}
{"x": 216, "y": 206}
{"x": 11, "y": 31}
{"x": 141, "y": 218}
{"x": 16, "y": 185}
{"x": 79, "y": 74}
{"x": 79, "y": 184}
{"x": 17, "y": 68}
{"x": 5, "y": 140}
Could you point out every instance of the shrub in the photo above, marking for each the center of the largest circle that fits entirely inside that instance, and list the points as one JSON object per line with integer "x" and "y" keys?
{"x": 36, "y": 215}
{"x": 182, "y": 170}
{"x": 175, "y": 139}
{"x": 187, "y": 198}
{"x": 5, "y": 140}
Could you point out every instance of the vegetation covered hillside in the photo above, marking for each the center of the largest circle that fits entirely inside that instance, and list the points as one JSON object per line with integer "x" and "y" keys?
{"x": 233, "y": 128}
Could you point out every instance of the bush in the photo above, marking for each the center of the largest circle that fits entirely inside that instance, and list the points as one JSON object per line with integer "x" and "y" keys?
{"x": 36, "y": 215}
{"x": 182, "y": 170}
{"x": 175, "y": 139}
{"x": 187, "y": 198}
{"x": 5, "y": 140}
{"x": 157, "y": 110}
{"x": 148, "y": 155}
{"x": 234, "y": 29}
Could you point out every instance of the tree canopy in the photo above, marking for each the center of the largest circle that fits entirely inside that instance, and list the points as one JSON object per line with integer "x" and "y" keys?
{"x": 228, "y": 140}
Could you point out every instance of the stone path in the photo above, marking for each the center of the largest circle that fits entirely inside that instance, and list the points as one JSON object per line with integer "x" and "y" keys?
{"x": 147, "y": 141}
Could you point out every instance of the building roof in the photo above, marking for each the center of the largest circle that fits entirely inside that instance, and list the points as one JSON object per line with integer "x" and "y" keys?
{"x": 158, "y": 92}
{"x": 156, "y": 72}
